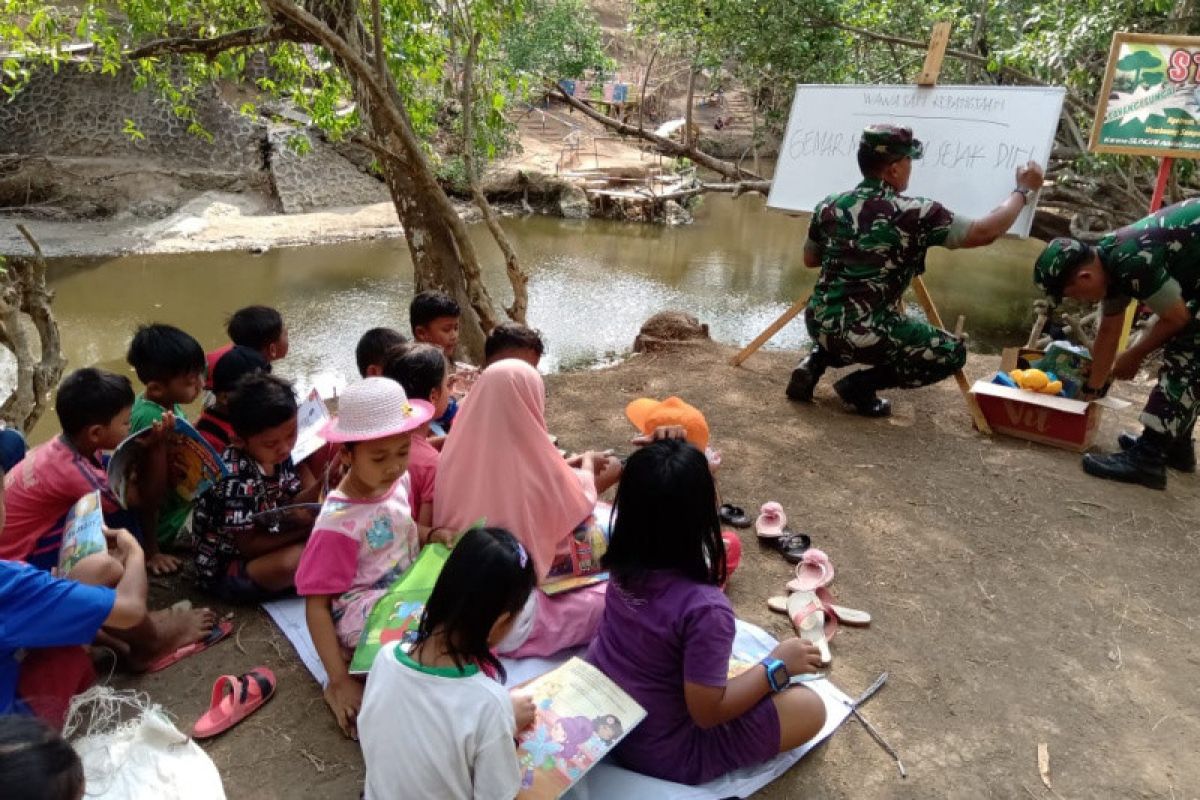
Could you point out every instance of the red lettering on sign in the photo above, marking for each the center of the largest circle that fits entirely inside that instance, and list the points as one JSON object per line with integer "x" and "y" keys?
{"x": 1181, "y": 66}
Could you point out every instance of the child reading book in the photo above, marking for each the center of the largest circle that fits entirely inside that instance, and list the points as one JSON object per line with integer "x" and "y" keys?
{"x": 455, "y": 735}
{"x": 236, "y": 559}
{"x": 424, "y": 373}
{"x": 667, "y": 632}
{"x": 365, "y": 536}
{"x": 214, "y": 423}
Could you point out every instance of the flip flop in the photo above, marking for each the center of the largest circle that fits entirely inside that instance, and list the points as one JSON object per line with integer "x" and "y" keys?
{"x": 793, "y": 545}
{"x": 233, "y": 699}
{"x": 845, "y": 615}
{"x": 814, "y": 571}
{"x": 811, "y": 622}
{"x": 219, "y": 631}
{"x": 771, "y": 521}
{"x": 734, "y": 515}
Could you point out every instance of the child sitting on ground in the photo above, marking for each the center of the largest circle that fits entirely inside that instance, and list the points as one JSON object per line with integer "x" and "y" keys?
{"x": 214, "y": 424}
{"x": 434, "y": 317}
{"x": 93, "y": 411}
{"x": 372, "y": 350}
{"x": 365, "y": 537}
{"x": 236, "y": 559}
{"x": 422, "y": 371}
{"x": 513, "y": 340}
{"x": 667, "y": 632}
{"x": 260, "y": 328}
{"x": 171, "y": 365}
{"x": 463, "y": 719}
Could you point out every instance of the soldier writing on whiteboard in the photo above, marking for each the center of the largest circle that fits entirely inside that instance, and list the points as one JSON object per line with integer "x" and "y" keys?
{"x": 1156, "y": 260}
{"x": 870, "y": 243}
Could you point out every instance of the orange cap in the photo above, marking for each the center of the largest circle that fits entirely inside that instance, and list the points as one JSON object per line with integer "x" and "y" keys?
{"x": 646, "y": 414}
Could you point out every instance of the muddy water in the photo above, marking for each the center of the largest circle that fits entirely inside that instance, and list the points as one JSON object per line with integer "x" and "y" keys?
{"x": 594, "y": 282}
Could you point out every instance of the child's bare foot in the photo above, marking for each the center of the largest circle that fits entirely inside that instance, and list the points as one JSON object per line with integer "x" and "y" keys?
{"x": 175, "y": 628}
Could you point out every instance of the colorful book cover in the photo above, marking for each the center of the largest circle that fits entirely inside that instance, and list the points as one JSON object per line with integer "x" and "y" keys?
{"x": 311, "y": 416}
{"x": 572, "y": 582}
{"x": 581, "y": 716}
{"x": 193, "y": 466}
{"x": 589, "y": 543}
{"x": 397, "y": 615}
{"x": 83, "y": 534}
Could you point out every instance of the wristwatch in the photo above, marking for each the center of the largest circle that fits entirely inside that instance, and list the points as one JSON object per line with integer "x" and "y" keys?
{"x": 1024, "y": 193}
{"x": 777, "y": 674}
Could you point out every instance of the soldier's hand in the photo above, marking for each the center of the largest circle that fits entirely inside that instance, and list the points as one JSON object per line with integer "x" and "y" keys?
{"x": 1030, "y": 176}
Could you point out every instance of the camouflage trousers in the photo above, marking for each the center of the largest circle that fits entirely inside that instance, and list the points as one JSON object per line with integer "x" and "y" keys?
{"x": 1175, "y": 400}
{"x": 919, "y": 353}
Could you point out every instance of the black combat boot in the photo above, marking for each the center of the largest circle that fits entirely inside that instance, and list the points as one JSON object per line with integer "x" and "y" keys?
{"x": 1181, "y": 453}
{"x": 857, "y": 391}
{"x": 1144, "y": 463}
{"x": 806, "y": 374}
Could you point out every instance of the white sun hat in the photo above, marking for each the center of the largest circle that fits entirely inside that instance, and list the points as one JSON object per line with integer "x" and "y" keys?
{"x": 375, "y": 408}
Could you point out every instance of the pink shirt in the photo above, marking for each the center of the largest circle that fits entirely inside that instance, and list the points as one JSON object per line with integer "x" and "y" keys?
{"x": 422, "y": 472}
{"x": 359, "y": 545}
{"x": 39, "y": 493}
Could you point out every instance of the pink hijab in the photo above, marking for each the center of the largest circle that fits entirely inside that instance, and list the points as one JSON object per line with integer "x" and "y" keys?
{"x": 498, "y": 463}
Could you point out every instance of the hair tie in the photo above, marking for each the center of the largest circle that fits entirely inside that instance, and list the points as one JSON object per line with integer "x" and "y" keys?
{"x": 522, "y": 556}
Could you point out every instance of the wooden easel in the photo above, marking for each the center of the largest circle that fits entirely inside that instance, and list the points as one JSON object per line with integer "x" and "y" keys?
{"x": 932, "y": 67}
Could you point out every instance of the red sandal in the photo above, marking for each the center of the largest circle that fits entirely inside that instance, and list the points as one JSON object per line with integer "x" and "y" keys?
{"x": 234, "y": 699}
{"x": 220, "y": 631}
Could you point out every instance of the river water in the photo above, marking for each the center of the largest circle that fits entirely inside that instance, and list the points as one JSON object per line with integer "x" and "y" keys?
{"x": 593, "y": 283}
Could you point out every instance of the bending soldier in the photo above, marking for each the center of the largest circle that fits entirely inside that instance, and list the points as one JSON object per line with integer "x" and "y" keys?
{"x": 1157, "y": 261}
{"x": 869, "y": 243}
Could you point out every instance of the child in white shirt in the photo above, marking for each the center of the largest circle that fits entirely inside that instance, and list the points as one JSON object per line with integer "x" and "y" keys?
{"x": 434, "y": 723}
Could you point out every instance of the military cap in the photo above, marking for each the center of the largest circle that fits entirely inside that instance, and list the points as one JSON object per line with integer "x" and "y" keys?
{"x": 891, "y": 140}
{"x": 1056, "y": 263}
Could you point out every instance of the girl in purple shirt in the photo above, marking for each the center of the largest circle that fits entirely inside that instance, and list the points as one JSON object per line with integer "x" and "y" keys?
{"x": 667, "y": 633}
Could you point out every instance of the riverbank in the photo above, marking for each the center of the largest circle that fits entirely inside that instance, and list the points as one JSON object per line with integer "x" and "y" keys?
{"x": 1015, "y": 600}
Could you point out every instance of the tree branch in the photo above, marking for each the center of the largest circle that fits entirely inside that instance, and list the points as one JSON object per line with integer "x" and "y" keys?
{"x": 1076, "y": 102}
{"x": 211, "y": 47}
{"x": 668, "y": 146}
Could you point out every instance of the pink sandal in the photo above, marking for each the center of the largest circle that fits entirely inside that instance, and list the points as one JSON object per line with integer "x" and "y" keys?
{"x": 234, "y": 699}
{"x": 815, "y": 571}
{"x": 219, "y": 631}
{"x": 771, "y": 521}
{"x": 811, "y": 622}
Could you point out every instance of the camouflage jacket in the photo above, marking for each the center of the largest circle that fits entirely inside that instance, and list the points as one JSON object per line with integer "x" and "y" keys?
{"x": 871, "y": 243}
{"x": 1156, "y": 259}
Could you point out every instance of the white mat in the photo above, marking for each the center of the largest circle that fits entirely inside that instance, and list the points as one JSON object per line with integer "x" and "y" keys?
{"x": 607, "y": 780}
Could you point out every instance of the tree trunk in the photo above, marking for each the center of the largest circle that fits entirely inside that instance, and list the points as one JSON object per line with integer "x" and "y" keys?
{"x": 24, "y": 294}
{"x": 442, "y": 252}
{"x": 754, "y": 128}
{"x": 687, "y": 112}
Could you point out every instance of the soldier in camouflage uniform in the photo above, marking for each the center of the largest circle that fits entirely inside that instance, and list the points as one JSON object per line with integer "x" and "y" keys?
{"x": 1157, "y": 261}
{"x": 870, "y": 243}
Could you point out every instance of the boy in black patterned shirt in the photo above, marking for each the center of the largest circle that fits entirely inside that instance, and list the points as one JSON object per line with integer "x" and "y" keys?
{"x": 236, "y": 559}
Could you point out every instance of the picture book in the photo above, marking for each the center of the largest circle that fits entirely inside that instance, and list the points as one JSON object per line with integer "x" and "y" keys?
{"x": 83, "y": 534}
{"x": 589, "y": 543}
{"x": 193, "y": 466}
{"x": 311, "y": 416}
{"x": 581, "y": 715}
{"x": 397, "y": 615}
{"x": 572, "y": 582}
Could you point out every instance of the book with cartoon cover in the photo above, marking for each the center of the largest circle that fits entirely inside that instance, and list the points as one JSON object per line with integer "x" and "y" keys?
{"x": 581, "y": 716}
{"x": 193, "y": 466}
{"x": 83, "y": 533}
{"x": 397, "y": 615}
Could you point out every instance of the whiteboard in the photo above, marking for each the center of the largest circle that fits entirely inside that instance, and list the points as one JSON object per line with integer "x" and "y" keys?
{"x": 975, "y": 137}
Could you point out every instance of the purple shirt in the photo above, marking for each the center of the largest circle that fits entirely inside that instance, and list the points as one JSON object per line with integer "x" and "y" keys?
{"x": 673, "y": 631}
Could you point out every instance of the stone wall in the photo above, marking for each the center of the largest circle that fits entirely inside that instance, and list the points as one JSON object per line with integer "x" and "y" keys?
{"x": 319, "y": 178}
{"x": 82, "y": 115}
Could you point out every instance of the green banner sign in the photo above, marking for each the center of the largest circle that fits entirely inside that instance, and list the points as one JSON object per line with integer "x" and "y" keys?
{"x": 1150, "y": 103}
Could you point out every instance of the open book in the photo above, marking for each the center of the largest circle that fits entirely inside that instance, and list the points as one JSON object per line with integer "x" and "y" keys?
{"x": 582, "y": 564}
{"x": 311, "y": 416}
{"x": 397, "y": 615}
{"x": 193, "y": 466}
{"x": 581, "y": 715}
{"x": 83, "y": 533}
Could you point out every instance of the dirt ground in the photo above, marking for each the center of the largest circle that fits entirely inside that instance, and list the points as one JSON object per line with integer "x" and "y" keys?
{"x": 1016, "y": 600}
